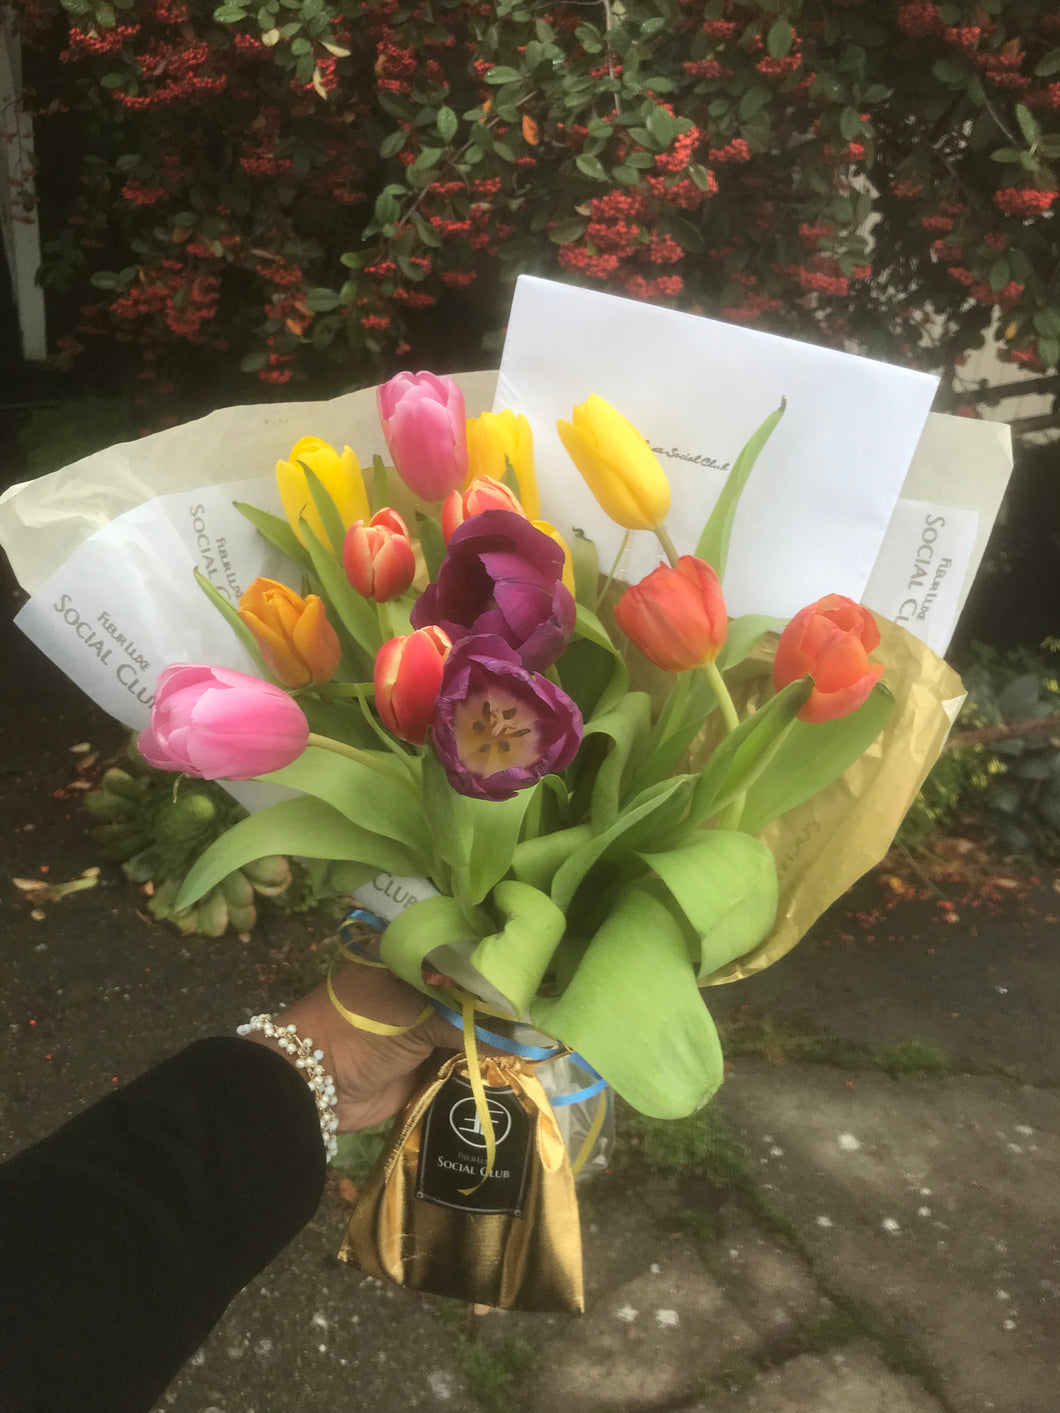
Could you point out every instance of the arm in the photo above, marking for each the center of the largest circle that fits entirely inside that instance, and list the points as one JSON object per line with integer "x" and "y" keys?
{"x": 125, "y": 1234}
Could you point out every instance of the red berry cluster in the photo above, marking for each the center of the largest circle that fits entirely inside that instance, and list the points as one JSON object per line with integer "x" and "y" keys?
{"x": 1023, "y": 201}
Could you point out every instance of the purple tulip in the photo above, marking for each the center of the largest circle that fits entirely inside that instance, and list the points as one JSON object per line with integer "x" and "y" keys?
{"x": 221, "y": 725}
{"x": 425, "y": 427}
{"x": 497, "y": 727}
{"x": 502, "y": 576}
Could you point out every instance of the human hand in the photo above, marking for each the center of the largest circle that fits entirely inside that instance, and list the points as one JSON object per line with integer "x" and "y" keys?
{"x": 374, "y": 1074}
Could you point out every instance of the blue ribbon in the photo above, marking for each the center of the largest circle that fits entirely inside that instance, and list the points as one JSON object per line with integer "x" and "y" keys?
{"x": 363, "y": 915}
{"x": 499, "y": 1042}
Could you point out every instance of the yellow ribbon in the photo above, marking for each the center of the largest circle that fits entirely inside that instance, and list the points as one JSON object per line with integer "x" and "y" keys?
{"x": 478, "y": 1089}
{"x": 591, "y": 1137}
{"x": 365, "y": 1022}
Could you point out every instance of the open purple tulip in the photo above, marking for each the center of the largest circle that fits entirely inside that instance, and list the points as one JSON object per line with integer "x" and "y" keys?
{"x": 504, "y": 577}
{"x": 498, "y": 728}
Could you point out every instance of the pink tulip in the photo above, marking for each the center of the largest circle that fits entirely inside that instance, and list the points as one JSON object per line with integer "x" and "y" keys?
{"x": 378, "y": 557}
{"x": 425, "y": 428}
{"x": 221, "y": 725}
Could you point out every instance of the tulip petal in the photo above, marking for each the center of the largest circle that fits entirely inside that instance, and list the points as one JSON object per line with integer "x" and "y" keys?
{"x": 828, "y": 706}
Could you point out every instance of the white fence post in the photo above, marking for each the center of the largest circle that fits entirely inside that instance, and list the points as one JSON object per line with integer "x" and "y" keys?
{"x": 18, "y": 206}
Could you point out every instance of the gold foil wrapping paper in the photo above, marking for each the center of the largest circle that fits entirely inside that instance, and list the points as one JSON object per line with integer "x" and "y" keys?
{"x": 531, "y": 1261}
{"x": 823, "y": 846}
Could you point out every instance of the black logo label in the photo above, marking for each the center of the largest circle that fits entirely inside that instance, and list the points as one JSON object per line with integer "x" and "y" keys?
{"x": 453, "y": 1151}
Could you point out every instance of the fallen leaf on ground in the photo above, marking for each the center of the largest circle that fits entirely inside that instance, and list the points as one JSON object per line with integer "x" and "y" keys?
{"x": 39, "y": 891}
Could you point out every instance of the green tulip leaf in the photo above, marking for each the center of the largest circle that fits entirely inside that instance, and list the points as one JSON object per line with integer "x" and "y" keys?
{"x": 373, "y": 793}
{"x": 748, "y": 751}
{"x": 327, "y": 510}
{"x": 514, "y": 960}
{"x": 305, "y": 826}
{"x": 645, "y": 810}
{"x": 448, "y": 819}
{"x": 743, "y": 636}
{"x": 422, "y": 928}
{"x": 713, "y": 543}
{"x": 585, "y": 563}
{"x": 592, "y": 676}
{"x": 588, "y": 625}
{"x": 811, "y": 757}
{"x": 356, "y": 614}
{"x": 627, "y": 725}
{"x": 535, "y": 861}
{"x": 277, "y": 532}
{"x": 495, "y": 829}
{"x": 633, "y": 1010}
{"x": 432, "y": 543}
{"x": 380, "y": 484}
{"x": 725, "y": 884}
{"x": 232, "y": 618}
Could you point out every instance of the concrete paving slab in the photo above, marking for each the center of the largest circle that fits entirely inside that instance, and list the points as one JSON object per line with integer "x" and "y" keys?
{"x": 664, "y": 1309}
{"x": 931, "y": 1203}
{"x": 847, "y": 1380}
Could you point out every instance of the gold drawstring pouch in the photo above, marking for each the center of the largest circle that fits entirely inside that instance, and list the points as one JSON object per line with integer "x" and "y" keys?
{"x": 434, "y": 1216}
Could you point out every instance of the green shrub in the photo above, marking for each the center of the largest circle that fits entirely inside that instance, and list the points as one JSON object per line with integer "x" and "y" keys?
{"x": 283, "y": 182}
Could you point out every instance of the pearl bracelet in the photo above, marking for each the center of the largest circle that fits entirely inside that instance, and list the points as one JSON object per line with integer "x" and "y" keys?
{"x": 308, "y": 1061}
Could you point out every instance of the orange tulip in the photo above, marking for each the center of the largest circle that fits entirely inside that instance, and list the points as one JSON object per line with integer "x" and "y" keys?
{"x": 830, "y": 641}
{"x": 297, "y": 642}
{"x": 408, "y": 674}
{"x": 378, "y": 557}
{"x": 483, "y": 493}
{"x": 675, "y": 616}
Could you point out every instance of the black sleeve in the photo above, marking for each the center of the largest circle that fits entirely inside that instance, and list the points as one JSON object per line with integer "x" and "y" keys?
{"x": 125, "y": 1234}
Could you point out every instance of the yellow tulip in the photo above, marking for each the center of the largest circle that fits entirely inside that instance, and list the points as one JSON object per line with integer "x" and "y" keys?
{"x": 568, "y": 563}
{"x": 618, "y": 465}
{"x": 494, "y": 436}
{"x": 297, "y": 642}
{"x": 340, "y": 477}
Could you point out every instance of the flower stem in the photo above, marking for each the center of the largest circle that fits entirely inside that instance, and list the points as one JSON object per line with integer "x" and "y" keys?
{"x": 373, "y": 762}
{"x": 725, "y": 702}
{"x": 669, "y": 548}
{"x": 386, "y": 624}
{"x": 614, "y": 569}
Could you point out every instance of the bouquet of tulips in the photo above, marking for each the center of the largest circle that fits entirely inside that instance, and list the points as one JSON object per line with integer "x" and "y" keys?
{"x": 566, "y": 777}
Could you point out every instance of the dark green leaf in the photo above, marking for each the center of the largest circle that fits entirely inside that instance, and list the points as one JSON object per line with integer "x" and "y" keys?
{"x": 590, "y": 167}
{"x": 322, "y": 301}
{"x": 778, "y": 40}
{"x": 1028, "y": 124}
{"x": 447, "y": 124}
{"x": 566, "y": 231}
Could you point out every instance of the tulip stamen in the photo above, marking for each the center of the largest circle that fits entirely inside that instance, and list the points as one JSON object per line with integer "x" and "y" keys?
{"x": 493, "y": 730}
